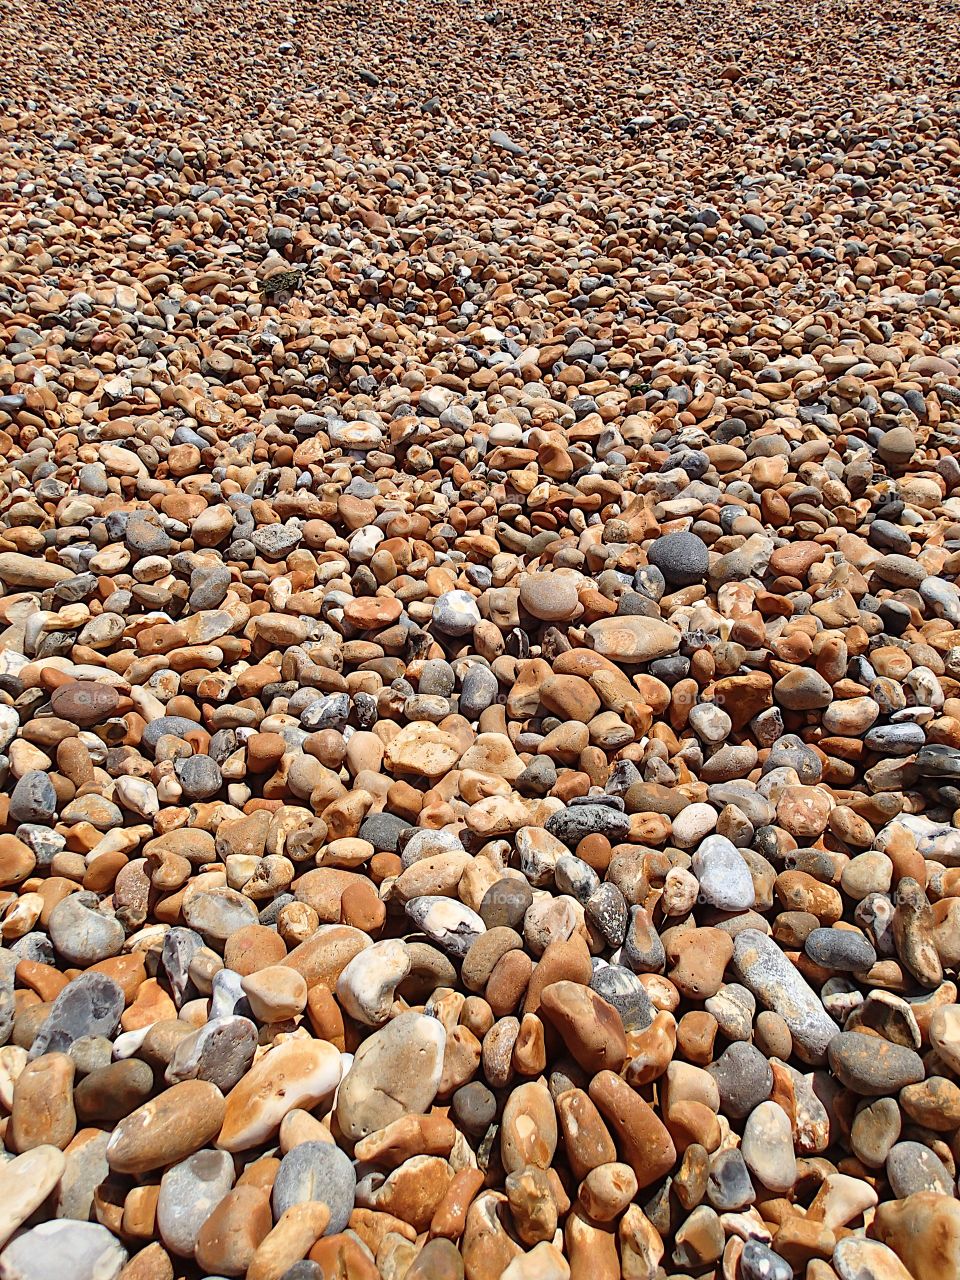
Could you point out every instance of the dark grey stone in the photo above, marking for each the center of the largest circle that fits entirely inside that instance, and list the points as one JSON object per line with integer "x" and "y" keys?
{"x": 840, "y": 950}
{"x": 743, "y": 1077}
{"x": 573, "y": 823}
{"x": 383, "y": 831}
{"x": 682, "y": 558}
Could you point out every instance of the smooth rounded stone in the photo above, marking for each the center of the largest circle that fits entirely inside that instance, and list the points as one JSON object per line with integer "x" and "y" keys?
{"x": 41, "y": 1110}
{"x": 573, "y": 824}
{"x": 871, "y": 1066}
{"x": 112, "y": 1092}
{"x": 842, "y": 950}
{"x": 911, "y": 1167}
{"x": 199, "y": 777}
{"x": 86, "y": 1168}
{"x": 316, "y": 1171}
{"x": 590, "y": 1028}
{"x": 275, "y": 994}
{"x": 924, "y": 1232}
{"x": 758, "y": 1262}
{"x": 606, "y": 909}
{"x": 418, "y": 843}
{"x": 549, "y": 597}
{"x": 189, "y": 1192}
{"x": 479, "y": 689}
{"x": 765, "y": 970}
{"x": 293, "y": 1074}
{"x": 366, "y": 986}
{"x": 395, "y": 1072}
{"x": 439, "y": 1259}
{"x": 944, "y": 1034}
{"x": 733, "y": 1007}
{"x": 858, "y": 1259}
{"x": 84, "y": 702}
{"x": 625, "y": 992}
{"x": 25, "y": 1182}
{"x": 728, "y": 1183}
{"x": 53, "y": 1250}
{"x": 895, "y": 739}
{"x": 90, "y": 1005}
{"x": 505, "y": 903}
{"x": 219, "y": 1052}
{"x": 538, "y": 778}
{"x": 81, "y": 933}
{"x": 694, "y": 823}
{"x": 383, "y": 830}
{"x": 682, "y": 558}
{"x": 217, "y": 913}
{"x": 724, "y": 877}
{"x": 456, "y": 613}
{"x": 743, "y": 1077}
{"x": 452, "y": 925}
{"x": 633, "y": 639}
{"x": 767, "y": 1147}
{"x": 229, "y": 1238}
{"x": 166, "y": 1129}
{"x": 33, "y": 799}
{"x": 876, "y": 1127}
{"x": 475, "y": 1108}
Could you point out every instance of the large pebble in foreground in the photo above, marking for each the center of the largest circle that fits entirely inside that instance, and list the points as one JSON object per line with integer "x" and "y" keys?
{"x": 395, "y": 1073}
{"x": 297, "y": 1073}
{"x": 633, "y": 639}
{"x": 166, "y": 1129}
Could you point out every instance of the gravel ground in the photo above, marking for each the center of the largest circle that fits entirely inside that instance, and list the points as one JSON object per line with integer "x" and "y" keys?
{"x": 479, "y": 642}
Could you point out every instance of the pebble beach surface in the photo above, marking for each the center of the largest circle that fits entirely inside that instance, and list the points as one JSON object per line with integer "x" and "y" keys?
{"x": 479, "y": 641}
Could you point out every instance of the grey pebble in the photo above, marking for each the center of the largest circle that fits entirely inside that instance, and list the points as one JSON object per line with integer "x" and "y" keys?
{"x": 765, "y": 970}
{"x": 841, "y": 950}
{"x": 682, "y": 558}
{"x": 758, "y": 1262}
{"x": 383, "y": 830}
{"x": 913, "y": 1167}
{"x": 317, "y": 1171}
{"x": 624, "y": 990}
{"x": 221, "y": 1052}
{"x": 744, "y": 1078}
{"x": 82, "y": 934}
{"x": 571, "y": 824}
{"x": 34, "y": 798}
{"x": 189, "y": 1193}
{"x": 729, "y": 1186}
{"x": 90, "y": 1005}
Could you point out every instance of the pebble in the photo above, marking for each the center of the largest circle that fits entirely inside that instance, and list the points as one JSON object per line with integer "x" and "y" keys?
{"x": 724, "y": 878}
{"x": 479, "y": 728}
{"x": 395, "y": 1072}
{"x": 767, "y": 1147}
{"x": 25, "y": 1182}
{"x": 316, "y": 1171}
{"x": 86, "y": 1250}
{"x": 744, "y": 1078}
{"x": 763, "y": 968}
{"x": 189, "y": 1192}
{"x": 872, "y": 1066}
